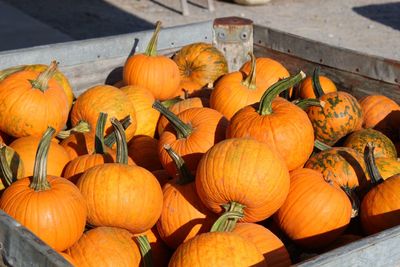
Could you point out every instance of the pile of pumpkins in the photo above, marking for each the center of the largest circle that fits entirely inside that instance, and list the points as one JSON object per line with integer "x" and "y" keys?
{"x": 184, "y": 164}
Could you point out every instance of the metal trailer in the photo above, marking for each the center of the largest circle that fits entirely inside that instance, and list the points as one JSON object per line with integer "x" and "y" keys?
{"x": 100, "y": 60}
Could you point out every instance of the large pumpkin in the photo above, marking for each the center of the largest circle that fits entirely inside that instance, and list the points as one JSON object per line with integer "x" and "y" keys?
{"x": 50, "y": 206}
{"x": 315, "y": 212}
{"x": 157, "y": 73}
{"x": 32, "y": 101}
{"x": 278, "y": 123}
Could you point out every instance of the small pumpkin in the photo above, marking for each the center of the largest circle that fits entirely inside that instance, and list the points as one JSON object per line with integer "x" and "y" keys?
{"x": 157, "y": 73}
{"x": 31, "y": 202}
{"x": 307, "y": 90}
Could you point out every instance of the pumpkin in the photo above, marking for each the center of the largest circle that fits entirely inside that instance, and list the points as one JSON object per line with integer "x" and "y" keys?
{"x": 278, "y": 123}
{"x": 341, "y": 165}
{"x": 157, "y": 73}
{"x": 268, "y": 244}
{"x": 162, "y": 176}
{"x": 146, "y": 116}
{"x": 32, "y": 101}
{"x": 183, "y": 215}
{"x": 387, "y": 166}
{"x": 242, "y": 175}
{"x": 58, "y": 76}
{"x": 177, "y": 108}
{"x": 143, "y": 150}
{"x": 307, "y": 90}
{"x": 121, "y": 195}
{"x": 11, "y": 167}
{"x": 237, "y": 90}
{"x": 107, "y": 99}
{"x": 380, "y": 207}
{"x": 106, "y": 246}
{"x": 26, "y": 148}
{"x": 315, "y": 211}
{"x": 384, "y": 147}
{"x": 199, "y": 64}
{"x": 49, "y": 206}
{"x": 217, "y": 249}
{"x": 190, "y": 133}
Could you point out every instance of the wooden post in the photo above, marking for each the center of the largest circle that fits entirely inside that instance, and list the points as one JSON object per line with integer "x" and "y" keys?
{"x": 234, "y": 37}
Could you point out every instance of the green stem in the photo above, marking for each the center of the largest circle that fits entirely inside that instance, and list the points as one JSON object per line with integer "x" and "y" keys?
{"x": 369, "y": 158}
{"x": 7, "y": 72}
{"x": 110, "y": 138}
{"x": 39, "y": 180}
{"x": 185, "y": 176}
{"x": 316, "y": 84}
{"x": 81, "y": 127}
{"x": 227, "y": 221}
{"x": 250, "y": 81}
{"x": 170, "y": 102}
{"x": 355, "y": 201}
{"x": 145, "y": 251}
{"x": 99, "y": 147}
{"x": 5, "y": 169}
{"x": 151, "y": 49}
{"x": 304, "y": 104}
{"x": 265, "y": 107}
{"x": 182, "y": 129}
{"x": 122, "y": 146}
{"x": 42, "y": 80}
{"x": 321, "y": 145}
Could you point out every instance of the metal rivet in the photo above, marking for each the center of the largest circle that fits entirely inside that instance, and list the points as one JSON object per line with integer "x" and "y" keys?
{"x": 357, "y": 69}
{"x": 221, "y": 35}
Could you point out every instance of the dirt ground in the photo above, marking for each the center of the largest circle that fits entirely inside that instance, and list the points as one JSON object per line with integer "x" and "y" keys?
{"x": 371, "y": 26}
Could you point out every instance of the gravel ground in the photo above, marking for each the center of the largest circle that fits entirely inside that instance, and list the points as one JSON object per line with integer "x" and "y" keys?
{"x": 371, "y": 26}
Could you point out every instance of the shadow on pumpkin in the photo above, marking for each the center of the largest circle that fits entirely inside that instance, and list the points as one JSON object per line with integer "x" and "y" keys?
{"x": 383, "y": 221}
{"x": 390, "y": 126}
{"x": 358, "y": 169}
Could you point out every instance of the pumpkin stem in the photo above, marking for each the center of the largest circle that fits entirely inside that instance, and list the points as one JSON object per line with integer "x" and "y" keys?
{"x": 110, "y": 138}
{"x": 184, "y": 175}
{"x": 5, "y": 170}
{"x": 151, "y": 49}
{"x": 145, "y": 250}
{"x": 7, "y": 72}
{"x": 369, "y": 158}
{"x": 99, "y": 135}
{"x": 250, "y": 81}
{"x": 355, "y": 201}
{"x": 321, "y": 145}
{"x": 42, "y": 80}
{"x": 81, "y": 127}
{"x": 304, "y": 104}
{"x": 265, "y": 106}
{"x": 170, "y": 102}
{"x": 182, "y": 129}
{"x": 316, "y": 85}
{"x": 122, "y": 147}
{"x": 227, "y": 221}
{"x": 39, "y": 180}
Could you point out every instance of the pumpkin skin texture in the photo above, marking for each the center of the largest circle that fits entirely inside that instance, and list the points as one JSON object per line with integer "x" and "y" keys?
{"x": 201, "y": 64}
{"x": 217, "y": 249}
{"x": 315, "y": 212}
{"x": 306, "y": 89}
{"x": 78, "y": 144}
{"x": 209, "y": 127}
{"x": 13, "y": 160}
{"x": 341, "y": 165}
{"x": 26, "y": 148}
{"x": 245, "y": 171}
{"x": 159, "y": 250}
{"x": 387, "y": 167}
{"x": 68, "y": 258}
{"x": 162, "y": 176}
{"x": 143, "y": 150}
{"x": 384, "y": 147}
{"x": 120, "y": 195}
{"x": 268, "y": 244}
{"x": 146, "y": 116}
{"x": 106, "y": 246}
{"x": 287, "y": 130}
{"x": 107, "y": 99}
{"x": 19, "y": 100}
{"x": 340, "y": 116}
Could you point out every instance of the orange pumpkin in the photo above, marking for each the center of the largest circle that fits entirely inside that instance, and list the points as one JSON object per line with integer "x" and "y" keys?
{"x": 32, "y": 101}
{"x": 162, "y": 176}
{"x": 143, "y": 150}
{"x": 268, "y": 244}
{"x": 200, "y": 64}
{"x": 242, "y": 175}
{"x": 50, "y": 206}
{"x": 217, "y": 249}
{"x": 121, "y": 195}
{"x": 157, "y": 73}
{"x": 315, "y": 212}
{"x": 307, "y": 90}
{"x": 278, "y": 123}
{"x": 68, "y": 258}
{"x": 160, "y": 252}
